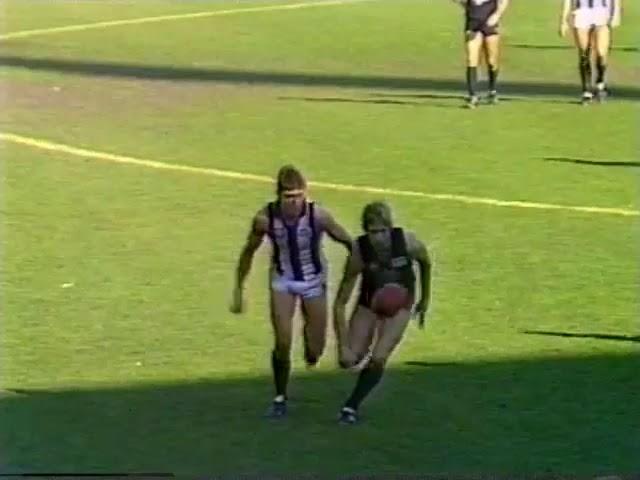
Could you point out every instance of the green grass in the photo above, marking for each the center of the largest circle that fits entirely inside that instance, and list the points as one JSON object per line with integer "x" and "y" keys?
{"x": 138, "y": 366}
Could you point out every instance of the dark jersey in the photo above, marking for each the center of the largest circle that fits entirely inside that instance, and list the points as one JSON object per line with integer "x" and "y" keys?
{"x": 480, "y": 10}
{"x": 377, "y": 272}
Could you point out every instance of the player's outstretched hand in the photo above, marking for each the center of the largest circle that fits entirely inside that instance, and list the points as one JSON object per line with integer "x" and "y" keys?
{"x": 615, "y": 21}
{"x": 564, "y": 27}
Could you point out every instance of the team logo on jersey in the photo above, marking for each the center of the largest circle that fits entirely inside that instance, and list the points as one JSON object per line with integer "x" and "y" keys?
{"x": 399, "y": 262}
{"x": 374, "y": 266}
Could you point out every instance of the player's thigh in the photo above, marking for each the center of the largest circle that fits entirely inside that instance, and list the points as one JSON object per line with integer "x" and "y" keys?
{"x": 362, "y": 327}
{"x": 473, "y": 47}
{"x": 283, "y": 307}
{"x": 314, "y": 311}
{"x": 602, "y": 40}
{"x": 390, "y": 334}
{"x": 492, "y": 48}
{"x": 582, "y": 38}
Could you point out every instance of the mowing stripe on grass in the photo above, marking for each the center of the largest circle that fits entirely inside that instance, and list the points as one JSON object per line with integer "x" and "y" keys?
{"x": 165, "y": 18}
{"x": 109, "y": 157}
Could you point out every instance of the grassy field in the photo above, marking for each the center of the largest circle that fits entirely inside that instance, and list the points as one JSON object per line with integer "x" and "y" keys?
{"x": 117, "y": 349}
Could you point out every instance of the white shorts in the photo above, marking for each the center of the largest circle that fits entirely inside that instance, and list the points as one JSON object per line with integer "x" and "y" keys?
{"x": 312, "y": 288}
{"x": 591, "y": 17}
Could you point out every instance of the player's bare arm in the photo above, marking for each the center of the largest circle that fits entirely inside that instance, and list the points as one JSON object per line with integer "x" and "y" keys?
{"x": 352, "y": 269}
{"x": 495, "y": 18}
{"x": 564, "y": 17}
{"x": 616, "y": 16}
{"x": 420, "y": 255}
{"x": 502, "y": 6}
{"x": 336, "y": 231}
{"x": 259, "y": 227}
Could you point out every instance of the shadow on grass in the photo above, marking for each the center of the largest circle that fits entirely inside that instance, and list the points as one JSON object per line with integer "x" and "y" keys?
{"x": 597, "y": 336}
{"x": 242, "y": 76}
{"x": 530, "y": 46}
{"x": 593, "y": 163}
{"x": 549, "y": 415}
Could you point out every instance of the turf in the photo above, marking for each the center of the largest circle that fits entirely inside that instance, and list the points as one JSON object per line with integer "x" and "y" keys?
{"x": 118, "y": 353}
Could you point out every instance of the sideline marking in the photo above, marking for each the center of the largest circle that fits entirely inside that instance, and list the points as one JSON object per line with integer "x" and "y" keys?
{"x": 82, "y": 152}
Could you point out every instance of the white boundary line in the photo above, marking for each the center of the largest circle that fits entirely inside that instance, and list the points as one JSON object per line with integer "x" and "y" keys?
{"x": 109, "y": 157}
{"x": 182, "y": 16}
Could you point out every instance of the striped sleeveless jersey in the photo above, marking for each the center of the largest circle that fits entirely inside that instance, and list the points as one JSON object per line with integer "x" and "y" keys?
{"x": 296, "y": 248}
{"x": 592, "y": 3}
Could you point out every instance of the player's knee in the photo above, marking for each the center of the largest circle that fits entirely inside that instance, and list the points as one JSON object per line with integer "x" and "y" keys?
{"x": 313, "y": 352}
{"x": 359, "y": 357}
{"x": 473, "y": 61}
{"x": 584, "y": 57}
{"x": 360, "y": 353}
{"x": 378, "y": 362}
{"x": 282, "y": 350}
{"x": 312, "y": 357}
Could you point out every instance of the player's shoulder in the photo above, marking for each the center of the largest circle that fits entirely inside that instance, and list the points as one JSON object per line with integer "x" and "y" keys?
{"x": 318, "y": 207}
{"x": 321, "y": 214}
{"x": 408, "y": 234}
{"x": 261, "y": 217}
{"x": 413, "y": 242}
{"x": 264, "y": 210}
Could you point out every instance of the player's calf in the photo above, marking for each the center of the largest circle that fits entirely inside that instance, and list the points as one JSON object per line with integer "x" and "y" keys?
{"x": 584, "y": 67}
{"x": 281, "y": 366}
{"x": 314, "y": 309}
{"x": 601, "y": 90}
{"x": 492, "y": 97}
{"x": 369, "y": 377}
{"x": 311, "y": 356}
{"x": 314, "y": 346}
{"x": 472, "y": 81}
